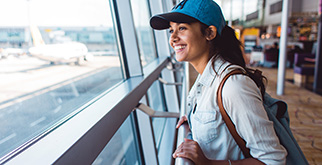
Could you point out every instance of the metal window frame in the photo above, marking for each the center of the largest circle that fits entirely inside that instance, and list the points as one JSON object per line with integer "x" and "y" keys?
{"x": 127, "y": 33}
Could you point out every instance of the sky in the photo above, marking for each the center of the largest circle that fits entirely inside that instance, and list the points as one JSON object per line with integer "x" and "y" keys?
{"x": 55, "y": 12}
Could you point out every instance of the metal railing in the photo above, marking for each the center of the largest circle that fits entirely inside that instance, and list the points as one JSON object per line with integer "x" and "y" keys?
{"x": 184, "y": 130}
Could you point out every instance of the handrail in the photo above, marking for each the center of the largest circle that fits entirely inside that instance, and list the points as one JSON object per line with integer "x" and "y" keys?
{"x": 184, "y": 130}
{"x": 153, "y": 113}
{"x": 167, "y": 83}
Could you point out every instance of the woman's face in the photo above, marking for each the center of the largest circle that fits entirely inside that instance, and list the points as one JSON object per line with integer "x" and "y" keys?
{"x": 188, "y": 42}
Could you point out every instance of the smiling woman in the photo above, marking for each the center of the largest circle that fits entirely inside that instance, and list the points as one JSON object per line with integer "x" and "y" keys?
{"x": 200, "y": 36}
{"x": 118, "y": 100}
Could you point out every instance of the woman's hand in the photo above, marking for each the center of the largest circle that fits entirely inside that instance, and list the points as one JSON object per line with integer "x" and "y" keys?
{"x": 182, "y": 120}
{"x": 191, "y": 150}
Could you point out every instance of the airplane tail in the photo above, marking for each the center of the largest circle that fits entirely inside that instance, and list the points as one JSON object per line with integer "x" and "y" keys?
{"x": 36, "y": 36}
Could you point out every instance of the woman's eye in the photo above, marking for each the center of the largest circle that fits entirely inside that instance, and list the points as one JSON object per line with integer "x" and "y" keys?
{"x": 182, "y": 28}
{"x": 170, "y": 31}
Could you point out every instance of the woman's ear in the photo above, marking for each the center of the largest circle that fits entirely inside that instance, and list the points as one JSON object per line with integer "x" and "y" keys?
{"x": 211, "y": 32}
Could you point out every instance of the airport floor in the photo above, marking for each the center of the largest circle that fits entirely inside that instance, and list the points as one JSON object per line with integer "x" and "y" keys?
{"x": 305, "y": 111}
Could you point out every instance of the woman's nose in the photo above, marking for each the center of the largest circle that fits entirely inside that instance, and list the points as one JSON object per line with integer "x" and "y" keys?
{"x": 174, "y": 37}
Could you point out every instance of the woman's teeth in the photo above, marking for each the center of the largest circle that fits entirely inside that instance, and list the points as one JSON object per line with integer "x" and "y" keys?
{"x": 179, "y": 47}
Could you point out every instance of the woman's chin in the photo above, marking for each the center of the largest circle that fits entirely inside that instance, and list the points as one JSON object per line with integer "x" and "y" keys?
{"x": 179, "y": 58}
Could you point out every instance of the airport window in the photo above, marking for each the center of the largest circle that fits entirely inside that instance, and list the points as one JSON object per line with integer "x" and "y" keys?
{"x": 122, "y": 148}
{"x": 156, "y": 102}
{"x": 141, "y": 16}
{"x": 55, "y": 59}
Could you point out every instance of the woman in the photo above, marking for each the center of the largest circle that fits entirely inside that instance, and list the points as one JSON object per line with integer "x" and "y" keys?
{"x": 200, "y": 36}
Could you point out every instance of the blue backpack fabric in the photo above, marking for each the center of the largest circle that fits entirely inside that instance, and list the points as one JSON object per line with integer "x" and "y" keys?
{"x": 277, "y": 112}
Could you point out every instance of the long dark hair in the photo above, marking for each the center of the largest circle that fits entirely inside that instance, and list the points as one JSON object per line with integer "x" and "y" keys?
{"x": 227, "y": 47}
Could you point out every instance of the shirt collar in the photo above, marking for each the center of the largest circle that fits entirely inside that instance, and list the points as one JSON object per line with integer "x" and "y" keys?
{"x": 209, "y": 74}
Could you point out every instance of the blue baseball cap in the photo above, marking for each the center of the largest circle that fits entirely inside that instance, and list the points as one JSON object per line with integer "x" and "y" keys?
{"x": 188, "y": 11}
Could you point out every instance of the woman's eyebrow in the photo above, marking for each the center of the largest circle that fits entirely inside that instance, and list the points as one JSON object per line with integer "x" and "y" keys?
{"x": 173, "y": 24}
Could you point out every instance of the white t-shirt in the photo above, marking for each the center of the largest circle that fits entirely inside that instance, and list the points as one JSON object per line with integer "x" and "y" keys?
{"x": 243, "y": 102}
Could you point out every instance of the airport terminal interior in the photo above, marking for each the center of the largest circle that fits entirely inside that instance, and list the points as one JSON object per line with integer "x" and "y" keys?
{"x": 90, "y": 82}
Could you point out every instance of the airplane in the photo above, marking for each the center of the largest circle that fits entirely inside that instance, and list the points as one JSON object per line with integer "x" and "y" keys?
{"x": 66, "y": 52}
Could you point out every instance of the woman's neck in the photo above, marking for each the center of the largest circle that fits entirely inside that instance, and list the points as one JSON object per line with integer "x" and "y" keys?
{"x": 200, "y": 65}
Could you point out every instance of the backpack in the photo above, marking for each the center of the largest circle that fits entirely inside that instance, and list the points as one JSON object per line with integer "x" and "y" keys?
{"x": 277, "y": 113}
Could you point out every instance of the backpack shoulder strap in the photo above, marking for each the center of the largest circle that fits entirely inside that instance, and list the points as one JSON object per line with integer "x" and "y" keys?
{"x": 231, "y": 127}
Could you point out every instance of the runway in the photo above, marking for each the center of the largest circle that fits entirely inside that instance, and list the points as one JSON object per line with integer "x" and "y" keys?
{"x": 25, "y": 74}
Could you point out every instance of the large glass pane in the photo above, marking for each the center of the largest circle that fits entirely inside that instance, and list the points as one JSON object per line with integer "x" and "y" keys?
{"x": 55, "y": 57}
{"x": 141, "y": 18}
{"x": 156, "y": 102}
{"x": 122, "y": 149}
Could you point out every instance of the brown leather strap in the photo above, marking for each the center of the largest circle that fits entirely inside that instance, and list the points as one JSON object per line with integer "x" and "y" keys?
{"x": 240, "y": 142}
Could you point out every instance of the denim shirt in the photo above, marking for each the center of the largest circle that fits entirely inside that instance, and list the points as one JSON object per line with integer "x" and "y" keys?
{"x": 243, "y": 102}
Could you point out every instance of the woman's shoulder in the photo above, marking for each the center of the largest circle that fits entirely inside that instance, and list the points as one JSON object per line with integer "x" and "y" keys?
{"x": 238, "y": 84}
{"x": 227, "y": 67}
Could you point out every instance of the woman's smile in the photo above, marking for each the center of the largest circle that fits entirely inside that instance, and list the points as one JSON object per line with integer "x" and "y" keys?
{"x": 179, "y": 48}
{"x": 188, "y": 42}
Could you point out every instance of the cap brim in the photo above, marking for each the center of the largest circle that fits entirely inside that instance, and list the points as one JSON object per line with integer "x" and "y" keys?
{"x": 162, "y": 21}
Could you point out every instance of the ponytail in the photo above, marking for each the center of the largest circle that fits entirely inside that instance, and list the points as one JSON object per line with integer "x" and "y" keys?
{"x": 227, "y": 47}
